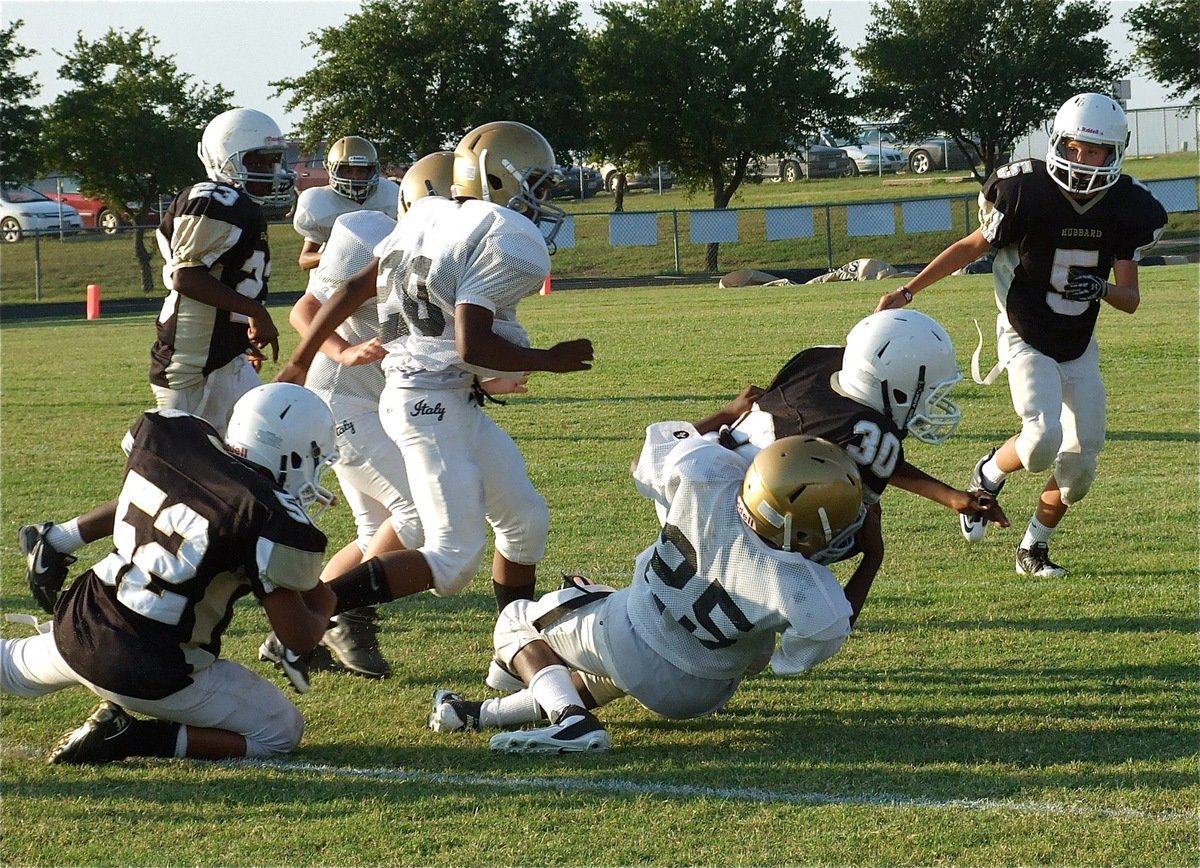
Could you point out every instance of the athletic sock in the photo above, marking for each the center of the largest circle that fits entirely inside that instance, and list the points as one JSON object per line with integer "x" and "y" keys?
{"x": 364, "y": 585}
{"x": 159, "y": 738}
{"x": 993, "y": 476}
{"x": 553, "y": 689}
{"x": 65, "y": 538}
{"x": 512, "y": 710}
{"x": 506, "y": 594}
{"x": 1036, "y": 533}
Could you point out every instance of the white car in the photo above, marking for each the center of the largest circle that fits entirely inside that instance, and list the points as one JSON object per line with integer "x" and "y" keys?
{"x": 868, "y": 159}
{"x": 24, "y": 210}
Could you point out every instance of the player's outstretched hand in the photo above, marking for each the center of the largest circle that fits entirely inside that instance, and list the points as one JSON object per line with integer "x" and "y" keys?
{"x": 570, "y": 356}
{"x": 362, "y": 354}
{"x": 292, "y": 373}
{"x": 984, "y": 503}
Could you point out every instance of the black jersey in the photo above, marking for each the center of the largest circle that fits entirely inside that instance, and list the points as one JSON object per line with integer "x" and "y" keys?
{"x": 216, "y": 227}
{"x": 1042, "y": 234}
{"x": 195, "y": 529}
{"x": 801, "y": 400}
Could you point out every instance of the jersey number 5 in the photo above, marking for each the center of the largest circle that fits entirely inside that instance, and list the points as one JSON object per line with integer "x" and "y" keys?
{"x": 1060, "y": 273}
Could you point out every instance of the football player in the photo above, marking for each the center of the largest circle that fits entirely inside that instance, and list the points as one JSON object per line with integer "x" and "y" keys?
{"x": 449, "y": 279}
{"x": 739, "y": 561}
{"x": 1059, "y": 229}
{"x": 891, "y": 379}
{"x": 355, "y": 184}
{"x": 214, "y": 240}
{"x": 199, "y": 523}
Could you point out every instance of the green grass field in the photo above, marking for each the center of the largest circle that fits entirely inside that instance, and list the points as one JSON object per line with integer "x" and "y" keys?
{"x": 974, "y": 717}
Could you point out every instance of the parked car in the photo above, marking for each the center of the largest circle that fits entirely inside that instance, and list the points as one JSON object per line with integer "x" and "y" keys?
{"x": 309, "y": 166}
{"x": 866, "y": 160}
{"x": 23, "y": 210}
{"x": 95, "y": 212}
{"x": 932, "y": 154}
{"x": 577, "y": 182}
{"x": 814, "y": 161}
{"x": 660, "y": 177}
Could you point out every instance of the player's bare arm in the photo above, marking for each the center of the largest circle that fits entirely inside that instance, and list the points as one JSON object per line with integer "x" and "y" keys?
{"x": 345, "y": 301}
{"x": 197, "y": 283}
{"x": 731, "y": 412}
{"x": 958, "y": 255}
{"x": 310, "y": 255}
{"x": 481, "y": 347}
{"x": 300, "y": 620}
{"x": 335, "y": 347}
{"x": 870, "y": 542}
{"x": 917, "y": 481}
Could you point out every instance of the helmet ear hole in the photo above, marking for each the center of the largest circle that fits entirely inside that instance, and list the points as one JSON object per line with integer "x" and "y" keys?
{"x": 495, "y": 182}
{"x": 899, "y": 397}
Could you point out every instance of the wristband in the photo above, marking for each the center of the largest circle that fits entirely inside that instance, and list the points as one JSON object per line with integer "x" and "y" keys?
{"x": 907, "y": 293}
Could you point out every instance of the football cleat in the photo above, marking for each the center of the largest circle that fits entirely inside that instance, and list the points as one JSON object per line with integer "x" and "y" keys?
{"x": 452, "y": 713}
{"x": 1035, "y": 561}
{"x": 45, "y": 568}
{"x": 575, "y": 730}
{"x": 98, "y": 740}
{"x": 354, "y": 640}
{"x": 974, "y": 527}
{"x": 297, "y": 667}
{"x": 500, "y": 678}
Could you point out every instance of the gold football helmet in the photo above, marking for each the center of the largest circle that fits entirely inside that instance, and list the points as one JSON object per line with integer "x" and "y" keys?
{"x": 431, "y": 175}
{"x": 804, "y": 494}
{"x": 353, "y": 152}
{"x": 512, "y": 165}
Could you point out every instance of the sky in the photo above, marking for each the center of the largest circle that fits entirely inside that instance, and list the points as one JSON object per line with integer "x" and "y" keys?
{"x": 243, "y": 44}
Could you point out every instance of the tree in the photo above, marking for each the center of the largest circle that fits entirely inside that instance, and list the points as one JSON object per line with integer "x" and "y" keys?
{"x": 991, "y": 70}
{"x": 1166, "y": 34}
{"x": 20, "y": 123}
{"x": 129, "y": 126}
{"x": 708, "y": 86}
{"x": 414, "y": 75}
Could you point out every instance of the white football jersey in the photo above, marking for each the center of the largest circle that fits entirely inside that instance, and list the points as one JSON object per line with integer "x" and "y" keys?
{"x": 710, "y": 595}
{"x": 348, "y": 252}
{"x": 318, "y": 208}
{"x": 445, "y": 253}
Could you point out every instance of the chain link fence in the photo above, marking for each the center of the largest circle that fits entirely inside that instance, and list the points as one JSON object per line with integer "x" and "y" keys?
{"x": 1162, "y": 130}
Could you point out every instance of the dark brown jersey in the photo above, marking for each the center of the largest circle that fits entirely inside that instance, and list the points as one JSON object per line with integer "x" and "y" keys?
{"x": 218, "y": 228}
{"x": 1042, "y": 236}
{"x": 195, "y": 529}
{"x": 801, "y": 400}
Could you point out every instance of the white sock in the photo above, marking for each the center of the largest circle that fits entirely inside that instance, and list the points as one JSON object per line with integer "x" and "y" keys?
{"x": 181, "y": 743}
{"x": 512, "y": 710}
{"x": 553, "y": 689}
{"x": 1036, "y": 533}
{"x": 992, "y": 475}
{"x": 65, "y": 538}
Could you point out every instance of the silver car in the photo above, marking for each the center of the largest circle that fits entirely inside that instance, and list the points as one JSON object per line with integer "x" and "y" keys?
{"x": 873, "y": 159}
{"x": 24, "y": 210}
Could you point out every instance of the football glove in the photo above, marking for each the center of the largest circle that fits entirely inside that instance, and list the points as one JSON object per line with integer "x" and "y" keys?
{"x": 1082, "y": 286}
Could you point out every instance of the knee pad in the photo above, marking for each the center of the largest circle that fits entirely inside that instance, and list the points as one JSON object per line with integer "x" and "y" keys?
{"x": 523, "y": 540}
{"x": 279, "y": 735}
{"x": 514, "y": 630}
{"x": 453, "y": 568}
{"x": 1075, "y": 473}
{"x": 1038, "y": 443}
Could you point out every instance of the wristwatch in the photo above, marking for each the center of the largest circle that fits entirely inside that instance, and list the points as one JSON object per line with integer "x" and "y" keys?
{"x": 907, "y": 293}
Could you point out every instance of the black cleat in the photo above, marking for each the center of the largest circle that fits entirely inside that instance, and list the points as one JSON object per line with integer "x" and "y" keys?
{"x": 452, "y": 713}
{"x": 354, "y": 641}
{"x": 45, "y": 568}
{"x": 1035, "y": 561}
{"x": 98, "y": 740}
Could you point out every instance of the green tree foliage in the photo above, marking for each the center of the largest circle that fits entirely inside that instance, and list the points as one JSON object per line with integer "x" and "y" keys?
{"x": 414, "y": 75}
{"x": 1167, "y": 38}
{"x": 20, "y": 122}
{"x": 709, "y": 85}
{"x": 128, "y": 126}
{"x": 991, "y": 69}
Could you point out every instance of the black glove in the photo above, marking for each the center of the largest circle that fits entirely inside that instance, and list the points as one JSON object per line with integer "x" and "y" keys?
{"x": 1082, "y": 286}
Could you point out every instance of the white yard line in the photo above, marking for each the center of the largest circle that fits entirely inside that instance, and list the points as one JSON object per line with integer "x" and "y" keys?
{"x": 622, "y": 787}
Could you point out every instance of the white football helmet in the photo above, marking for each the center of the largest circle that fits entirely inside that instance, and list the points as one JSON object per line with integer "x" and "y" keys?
{"x": 288, "y": 431}
{"x": 901, "y": 362}
{"x": 432, "y": 175}
{"x": 512, "y": 165}
{"x": 1088, "y": 117}
{"x": 804, "y": 494}
{"x": 351, "y": 152}
{"x": 229, "y": 138}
